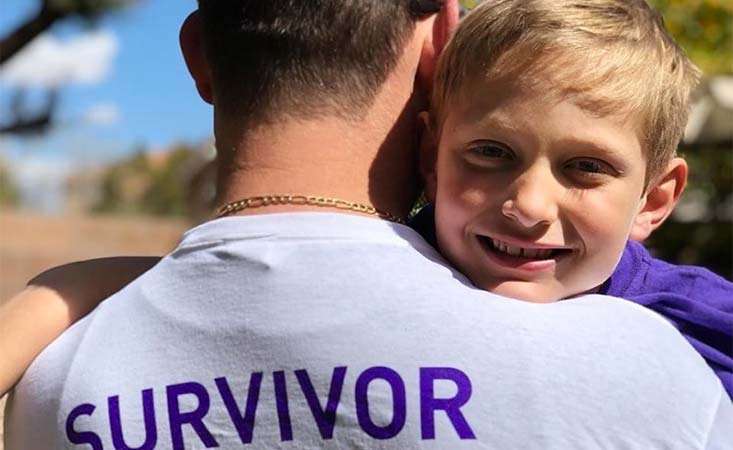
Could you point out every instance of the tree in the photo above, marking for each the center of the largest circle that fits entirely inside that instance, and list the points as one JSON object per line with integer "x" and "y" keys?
{"x": 704, "y": 28}
{"x": 9, "y": 195}
{"x": 49, "y": 13}
{"x": 167, "y": 193}
{"x": 122, "y": 184}
{"x": 156, "y": 184}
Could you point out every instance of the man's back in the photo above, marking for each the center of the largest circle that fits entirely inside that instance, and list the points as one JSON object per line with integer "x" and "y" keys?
{"x": 328, "y": 330}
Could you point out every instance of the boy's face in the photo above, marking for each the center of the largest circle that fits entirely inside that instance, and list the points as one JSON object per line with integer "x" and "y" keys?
{"x": 535, "y": 197}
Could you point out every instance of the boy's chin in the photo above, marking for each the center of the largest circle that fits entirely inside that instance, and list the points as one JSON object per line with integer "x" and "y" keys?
{"x": 528, "y": 291}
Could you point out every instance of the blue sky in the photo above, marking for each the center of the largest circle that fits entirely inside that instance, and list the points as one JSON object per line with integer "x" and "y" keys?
{"x": 143, "y": 96}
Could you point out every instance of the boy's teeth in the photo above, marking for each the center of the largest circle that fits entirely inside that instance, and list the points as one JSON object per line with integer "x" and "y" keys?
{"x": 519, "y": 251}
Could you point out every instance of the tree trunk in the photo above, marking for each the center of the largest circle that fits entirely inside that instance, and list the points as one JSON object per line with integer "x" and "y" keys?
{"x": 25, "y": 33}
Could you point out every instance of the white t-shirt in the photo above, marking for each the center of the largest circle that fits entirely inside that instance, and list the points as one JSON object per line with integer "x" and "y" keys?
{"x": 318, "y": 330}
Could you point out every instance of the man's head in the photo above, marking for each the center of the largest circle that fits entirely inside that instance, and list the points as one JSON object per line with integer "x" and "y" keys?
{"x": 337, "y": 82}
{"x": 301, "y": 58}
{"x": 304, "y": 58}
{"x": 556, "y": 123}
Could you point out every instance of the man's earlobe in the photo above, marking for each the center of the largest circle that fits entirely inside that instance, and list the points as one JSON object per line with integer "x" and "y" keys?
{"x": 191, "y": 39}
{"x": 662, "y": 196}
{"x": 428, "y": 155}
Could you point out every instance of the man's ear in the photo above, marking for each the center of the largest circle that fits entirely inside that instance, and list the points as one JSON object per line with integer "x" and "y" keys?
{"x": 446, "y": 22}
{"x": 192, "y": 46}
{"x": 661, "y": 197}
{"x": 428, "y": 155}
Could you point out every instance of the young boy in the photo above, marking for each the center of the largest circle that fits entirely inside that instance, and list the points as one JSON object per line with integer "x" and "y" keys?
{"x": 550, "y": 150}
{"x": 551, "y": 143}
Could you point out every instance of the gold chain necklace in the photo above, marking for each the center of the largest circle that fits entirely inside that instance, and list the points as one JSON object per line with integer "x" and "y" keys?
{"x": 303, "y": 200}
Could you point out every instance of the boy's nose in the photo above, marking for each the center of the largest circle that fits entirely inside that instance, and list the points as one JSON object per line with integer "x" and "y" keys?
{"x": 532, "y": 202}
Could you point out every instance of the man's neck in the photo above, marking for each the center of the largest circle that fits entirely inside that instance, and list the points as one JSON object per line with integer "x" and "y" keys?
{"x": 370, "y": 161}
{"x": 320, "y": 158}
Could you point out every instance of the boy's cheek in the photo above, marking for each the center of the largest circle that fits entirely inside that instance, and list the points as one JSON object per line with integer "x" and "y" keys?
{"x": 596, "y": 269}
{"x": 468, "y": 188}
{"x": 604, "y": 236}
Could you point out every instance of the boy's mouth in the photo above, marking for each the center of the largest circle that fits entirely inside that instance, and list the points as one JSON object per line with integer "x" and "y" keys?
{"x": 518, "y": 254}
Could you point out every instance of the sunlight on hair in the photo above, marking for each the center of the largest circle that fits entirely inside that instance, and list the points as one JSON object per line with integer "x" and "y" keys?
{"x": 610, "y": 56}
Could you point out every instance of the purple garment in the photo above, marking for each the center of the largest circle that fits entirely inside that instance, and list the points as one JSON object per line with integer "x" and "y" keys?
{"x": 696, "y": 301}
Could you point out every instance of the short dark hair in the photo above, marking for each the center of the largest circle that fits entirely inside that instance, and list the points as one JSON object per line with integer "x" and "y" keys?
{"x": 302, "y": 57}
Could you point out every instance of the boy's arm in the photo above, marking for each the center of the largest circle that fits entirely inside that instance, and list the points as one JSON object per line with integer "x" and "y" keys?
{"x": 52, "y": 302}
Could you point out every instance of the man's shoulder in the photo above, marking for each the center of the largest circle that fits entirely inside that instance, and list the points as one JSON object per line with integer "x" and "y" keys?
{"x": 30, "y": 413}
{"x": 302, "y": 309}
{"x": 642, "y": 332}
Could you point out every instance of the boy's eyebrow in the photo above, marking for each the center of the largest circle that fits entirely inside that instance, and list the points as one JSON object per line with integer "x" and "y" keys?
{"x": 493, "y": 121}
{"x": 595, "y": 146}
{"x": 503, "y": 125}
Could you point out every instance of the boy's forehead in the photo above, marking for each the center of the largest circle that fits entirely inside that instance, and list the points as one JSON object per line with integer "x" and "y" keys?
{"x": 536, "y": 87}
{"x": 556, "y": 73}
{"x": 480, "y": 97}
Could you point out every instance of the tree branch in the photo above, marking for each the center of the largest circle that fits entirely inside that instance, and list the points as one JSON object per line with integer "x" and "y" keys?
{"x": 25, "y": 33}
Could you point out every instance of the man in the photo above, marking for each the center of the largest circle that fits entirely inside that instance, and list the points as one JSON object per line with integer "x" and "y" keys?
{"x": 303, "y": 321}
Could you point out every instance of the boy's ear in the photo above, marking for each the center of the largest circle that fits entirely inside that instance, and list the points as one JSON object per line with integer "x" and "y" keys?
{"x": 428, "y": 155}
{"x": 446, "y": 22}
{"x": 660, "y": 199}
{"x": 192, "y": 46}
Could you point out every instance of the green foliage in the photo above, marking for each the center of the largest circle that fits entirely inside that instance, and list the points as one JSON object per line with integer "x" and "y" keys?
{"x": 142, "y": 185}
{"x": 9, "y": 194}
{"x": 706, "y": 238}
{"x": 118, "y": 185}
{"x": 470, "y": 4}
{"x": 166, "y": 194}
{"x": 704, "y": 28}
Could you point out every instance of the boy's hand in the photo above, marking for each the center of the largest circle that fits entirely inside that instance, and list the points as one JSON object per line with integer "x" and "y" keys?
{"x": 52, "y": 302}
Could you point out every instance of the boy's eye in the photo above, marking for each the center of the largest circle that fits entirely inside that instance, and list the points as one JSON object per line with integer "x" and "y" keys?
{"x": 492, "y": 150}
{"x": 590, "y": 167}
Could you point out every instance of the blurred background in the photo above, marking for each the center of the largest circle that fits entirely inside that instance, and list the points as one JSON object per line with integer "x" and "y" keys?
{"x": 105, "y": 148}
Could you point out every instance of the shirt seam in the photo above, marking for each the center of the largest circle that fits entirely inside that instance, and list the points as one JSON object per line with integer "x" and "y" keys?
{"x": 706, "y": 436}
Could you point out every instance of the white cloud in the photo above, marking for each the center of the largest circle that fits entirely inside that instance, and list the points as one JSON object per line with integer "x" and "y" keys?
{"x": 50, "y": 62}
{"x": 102, "y": 114}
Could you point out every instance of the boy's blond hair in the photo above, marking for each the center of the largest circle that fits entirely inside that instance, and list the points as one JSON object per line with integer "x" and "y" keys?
{"x": 610, "y": 56}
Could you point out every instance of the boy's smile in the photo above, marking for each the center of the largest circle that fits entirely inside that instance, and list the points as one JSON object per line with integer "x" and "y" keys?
{"x": 522, "y": 256}
{"x": 534, "y": 196}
